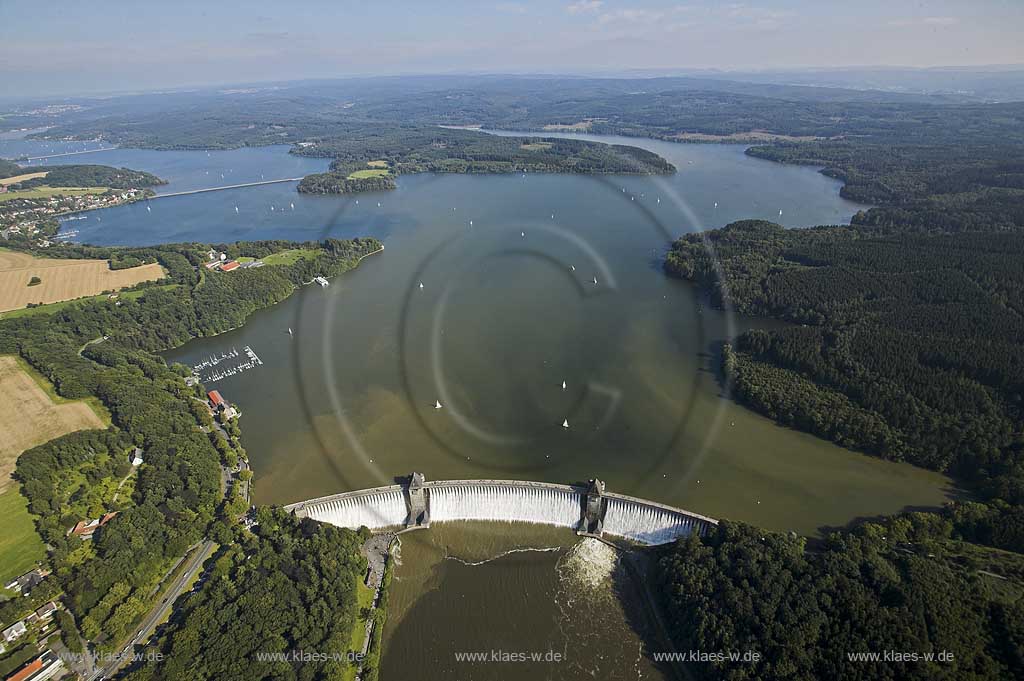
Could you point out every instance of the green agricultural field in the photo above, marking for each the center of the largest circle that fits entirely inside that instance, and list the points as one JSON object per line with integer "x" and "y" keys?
{"x": 369, "y": 172}
{"x": 290, "y": 256}
{"x": 47, "y": 192}
{"x": 20, "y": 546}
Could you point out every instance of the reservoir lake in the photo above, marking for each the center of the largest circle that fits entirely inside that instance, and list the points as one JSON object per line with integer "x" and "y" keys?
{"x": 508, "y": 310}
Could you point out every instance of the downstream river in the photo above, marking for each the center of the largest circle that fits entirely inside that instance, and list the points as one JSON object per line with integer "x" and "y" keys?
{"x": 484, "y": 302}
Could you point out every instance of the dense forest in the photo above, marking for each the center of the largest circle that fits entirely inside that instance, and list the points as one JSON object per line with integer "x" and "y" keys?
{"x": 907, "y": 343}
{"x": 341, "y": 182}
{"x": 81, "y": 176}
{"x": 176, "y": 498}
{"x": 469, "y": 151}
{"x": 908, "y": 346}
{"x": 648, "y": 107}
{"x": 288, "y": 587}
{"x": 905, "y": 586}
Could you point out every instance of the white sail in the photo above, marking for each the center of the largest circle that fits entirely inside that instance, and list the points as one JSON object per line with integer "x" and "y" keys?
{"x": 565, "y": 423}
{"x": 563, "y": 385}
{"x": 437, "y": 404}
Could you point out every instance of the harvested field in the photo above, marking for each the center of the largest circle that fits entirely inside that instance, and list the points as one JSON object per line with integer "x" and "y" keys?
{"x": 14, "y": 179}
{"x": 30, "y": 417}
{"x": 62, "y": 279}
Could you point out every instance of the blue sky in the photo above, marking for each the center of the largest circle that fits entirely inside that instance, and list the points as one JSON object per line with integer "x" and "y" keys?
{"x": 108, "y": 45}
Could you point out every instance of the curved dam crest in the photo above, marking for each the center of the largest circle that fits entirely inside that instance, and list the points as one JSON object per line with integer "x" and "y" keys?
{"x": 590, "y": 510}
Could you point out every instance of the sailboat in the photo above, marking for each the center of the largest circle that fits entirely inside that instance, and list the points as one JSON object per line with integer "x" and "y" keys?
{"x": 293, "y": 206}
{"x": 236, "y": 209}
{"x": 290, "y": 331}
{"x": 437, "y": 404}
{"x": 563, "y": 385}
{"x": 470, "y": 223}
{"x": 595, "y": 280}
{"x": 149, "y": 209}
{"x": 378, "y": 204}
{"x": 572, "y": 267}
{"x": 421, "y": 284}
{"x": 716, "y": 204}
{"x": 522, "y": 234}
{"x": 565, "y": 423}
{"x": 780, "y": 212}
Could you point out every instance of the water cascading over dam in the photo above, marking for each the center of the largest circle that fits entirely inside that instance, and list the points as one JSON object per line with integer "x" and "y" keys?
{"x": 589, "y": 510}
{"x": 505, "y": 503}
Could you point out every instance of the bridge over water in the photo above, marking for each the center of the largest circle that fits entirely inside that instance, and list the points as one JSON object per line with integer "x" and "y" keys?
{"x": 589, "y": 510}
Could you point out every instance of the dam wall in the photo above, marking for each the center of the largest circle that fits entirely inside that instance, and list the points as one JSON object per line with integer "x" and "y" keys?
{"x": 589, "y": 510}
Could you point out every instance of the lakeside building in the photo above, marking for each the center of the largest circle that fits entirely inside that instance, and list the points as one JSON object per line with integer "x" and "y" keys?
{"x": 86, "y": 528}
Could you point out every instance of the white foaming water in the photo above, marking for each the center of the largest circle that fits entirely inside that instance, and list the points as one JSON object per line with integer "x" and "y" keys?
{"x": 375, "y": 511}
{"x": 590, "y": 563}
{"x": 644, "y": 523}
{"x": 505, "y": 503}
{"x": 647, "y": 524}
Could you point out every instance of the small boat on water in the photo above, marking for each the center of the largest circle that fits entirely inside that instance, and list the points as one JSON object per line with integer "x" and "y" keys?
{"x": 421, "y": 284}
{"x": 236, "y": 209}
{"x": 563, "y": 385}
{"x": 290, "y": 331}
{"x": 595, "y": 280}
{"x": 565, "y": 423}
{"x": 437, "y": 404}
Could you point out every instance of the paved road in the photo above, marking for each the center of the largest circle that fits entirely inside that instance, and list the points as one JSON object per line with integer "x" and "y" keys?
{"x": 149, "y": 624}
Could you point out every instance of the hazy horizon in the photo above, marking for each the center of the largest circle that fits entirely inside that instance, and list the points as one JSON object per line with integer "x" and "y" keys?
{"x": 79, "y": 50}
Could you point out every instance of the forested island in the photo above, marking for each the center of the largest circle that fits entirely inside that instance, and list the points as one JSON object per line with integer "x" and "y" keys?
{"x": 105, "y": 351}
{"x": 370, "y": 162}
